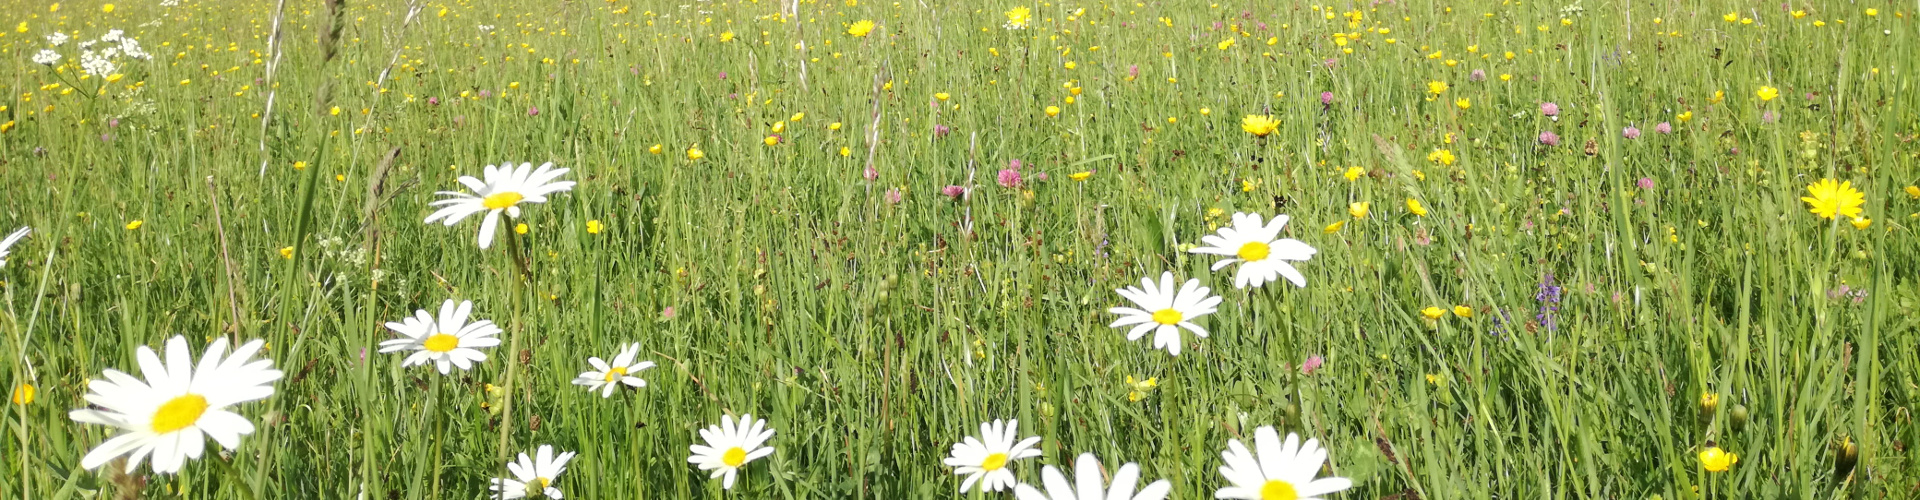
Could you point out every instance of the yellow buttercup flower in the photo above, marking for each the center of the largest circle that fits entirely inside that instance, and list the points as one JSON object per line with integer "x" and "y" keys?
{"x": 1766, "y": 93}
{"x": 1433, "y": 312}
{"x": 1358, "y": 209}
{"x": 1080, "y": 176}
{"x": 1259, "y": 125}
{"x": 1413, "y": 206}
{"x": 655, "y": 149}
{"x": 860, "y": 28}
{"x": 594, "y": 226}
{"x": 520, "y": 228}
{"x": 1441, "y": 157}
{"x": 694, "y": 153}
{"x": 1334, "y": 227}
{"x": 23, "y": 395}
{"x": 1463, "y": 311}
{"x": 1715, "y": 459}
{"x": 1354, "y": 173}
{"x": 108, "y": 8}
{"x": 1861, "y": 223}
{"x": 135, "y": 224}
{"x": 1053, "y": 111}
{"x": 286, "y": 252}
{"x": 1914, "y": 192}
{"x": 1831, "y": 199}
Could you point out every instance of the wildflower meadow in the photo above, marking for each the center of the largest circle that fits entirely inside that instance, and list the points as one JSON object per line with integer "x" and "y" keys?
{"x": 880, "y": 249}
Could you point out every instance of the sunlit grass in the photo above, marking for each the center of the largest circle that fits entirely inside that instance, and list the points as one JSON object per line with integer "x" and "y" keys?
{"x": 813, "y": 227}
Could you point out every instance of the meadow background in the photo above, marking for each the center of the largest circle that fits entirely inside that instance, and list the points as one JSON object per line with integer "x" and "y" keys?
{"x": 825, "y": 282}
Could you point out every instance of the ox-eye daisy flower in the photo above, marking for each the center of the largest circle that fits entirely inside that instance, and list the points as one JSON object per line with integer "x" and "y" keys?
{"x": 1280, "y": 471}
{"x": 605, "y": 378}
{"x": 730, "y": 447}
{"x": 447, "y": 342}
{"x": 170, "y": 415}
{"x": 986, "y": 459}
{"x": 1089, "y": 484}
{"x": 1260, "y": 250}
{"x": 532, "y": 476}
{"x": 6, "y": 245}
{"x": 1165, "y": 310}
{"x": 505, "y": 187}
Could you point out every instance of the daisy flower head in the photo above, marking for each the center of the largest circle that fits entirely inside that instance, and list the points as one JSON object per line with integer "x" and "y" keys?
{"x": 607, "y": 377}
{"x": 1830, "y": 199}
{"x": 180, "y": 404}
{"x": 532, "y": 476}
{"x": 986, "y": 459}
{"x": 1278, "y": 471}
{"x": 729, "y": 447}
{"x": 1257, "y": 246}
{"x": 6, "y": 245}
{"x": 504, "y": 188}
{"x": 1089, "y": 482}
{"x": 448, "y": 341}
{"x": 1165, "y": 310}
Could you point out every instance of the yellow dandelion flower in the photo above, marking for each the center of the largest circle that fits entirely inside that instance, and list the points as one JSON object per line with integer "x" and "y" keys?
{"x": 860, "y": 28}
{"x": 1259, "y": 125}
{"x": 1436, "y": 87}
{"x": 1830, "y": 199}
{"x": 1354, "y": 173}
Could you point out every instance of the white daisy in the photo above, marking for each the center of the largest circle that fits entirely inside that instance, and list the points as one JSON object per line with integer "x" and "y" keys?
{"x": 450, "y": 341}
{"x": 171, "y": 414}
{"x": 1280, "y": 471}
{"x": 6, "y": 245}
{"x": 1263, "y": 258}
{"x": 1165, "y": 311}
{"x": 730, "y": 447}
{"x": 1092, "y": 485}
{"x": 532, "y": 476}
{"x": 605, "y": 378}
{"x": 985, "y": 460}
{"x": 504, "y": 189}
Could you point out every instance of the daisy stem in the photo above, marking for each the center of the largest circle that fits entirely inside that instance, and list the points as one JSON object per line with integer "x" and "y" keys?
{"x": 513, "y": 349}
{"x": 439, "y": 434}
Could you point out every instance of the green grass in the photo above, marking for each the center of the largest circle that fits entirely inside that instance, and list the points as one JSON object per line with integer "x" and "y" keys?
{"x": 875, "y": 335}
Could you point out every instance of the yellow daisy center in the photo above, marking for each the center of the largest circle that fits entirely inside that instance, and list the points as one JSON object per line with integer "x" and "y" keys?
{"x": 994, "y": 462}
{"x": 1168, "y": 317}
{"x": 502, "y": 200}
{"x": 734, "y": 456}
{"x": 1278, "y": 490}
{"x": 441, "y": 342}
{"x": 616, "y": 373}
{"x": 1254, "y": 251}
{"x": 179, "y": 413}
